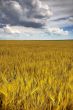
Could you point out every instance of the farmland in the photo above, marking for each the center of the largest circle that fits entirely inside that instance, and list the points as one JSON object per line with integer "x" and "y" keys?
{"x": 36, "y": 75}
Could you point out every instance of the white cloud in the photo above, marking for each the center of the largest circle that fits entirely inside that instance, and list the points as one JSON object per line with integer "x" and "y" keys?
{"x": 24, "y": 33}
{"x": 20, "y": 30}
{"x": 30, "y": 34}
{"x": 56, "y": 30}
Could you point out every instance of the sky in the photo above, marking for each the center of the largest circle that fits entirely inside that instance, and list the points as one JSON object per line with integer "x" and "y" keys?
{"x": 36, "y": 19}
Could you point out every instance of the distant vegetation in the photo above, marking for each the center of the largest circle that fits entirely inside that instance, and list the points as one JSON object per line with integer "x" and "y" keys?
{"x": 36, "y": 75}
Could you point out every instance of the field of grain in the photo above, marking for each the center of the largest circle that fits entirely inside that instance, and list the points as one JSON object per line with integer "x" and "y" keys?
{"x": 36, "y": 75}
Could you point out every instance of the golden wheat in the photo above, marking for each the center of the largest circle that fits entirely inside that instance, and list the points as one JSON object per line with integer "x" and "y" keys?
{"x": 36, "y": 75}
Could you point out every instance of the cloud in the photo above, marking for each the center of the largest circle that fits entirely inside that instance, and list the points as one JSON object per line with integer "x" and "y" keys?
{"x": 57, "y": 31}
{"x": 36, "y": 13}
{"x": 20, "y": 30}
{"x": 54, "y": 17}
{"x": 30, "y": 13}
{"x": 62, "y": 10}
{"x": 70, "y": 19}
{"x": 30, "y": 31}
{"x": 25, "y": 33}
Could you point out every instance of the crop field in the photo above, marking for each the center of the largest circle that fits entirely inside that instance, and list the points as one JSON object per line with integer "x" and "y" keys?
{"x": 36, "y": 75}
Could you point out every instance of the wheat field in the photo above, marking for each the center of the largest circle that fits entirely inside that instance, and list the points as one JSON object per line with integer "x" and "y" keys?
{"x": 36, "y": 75}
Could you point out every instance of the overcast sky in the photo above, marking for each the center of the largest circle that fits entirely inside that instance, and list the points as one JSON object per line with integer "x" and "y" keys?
{"x": 36, "y": 19}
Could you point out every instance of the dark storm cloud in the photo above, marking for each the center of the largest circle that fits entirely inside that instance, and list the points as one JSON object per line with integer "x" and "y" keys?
{"x": 36, "y": 13}
{"x": 30, "y": 13}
